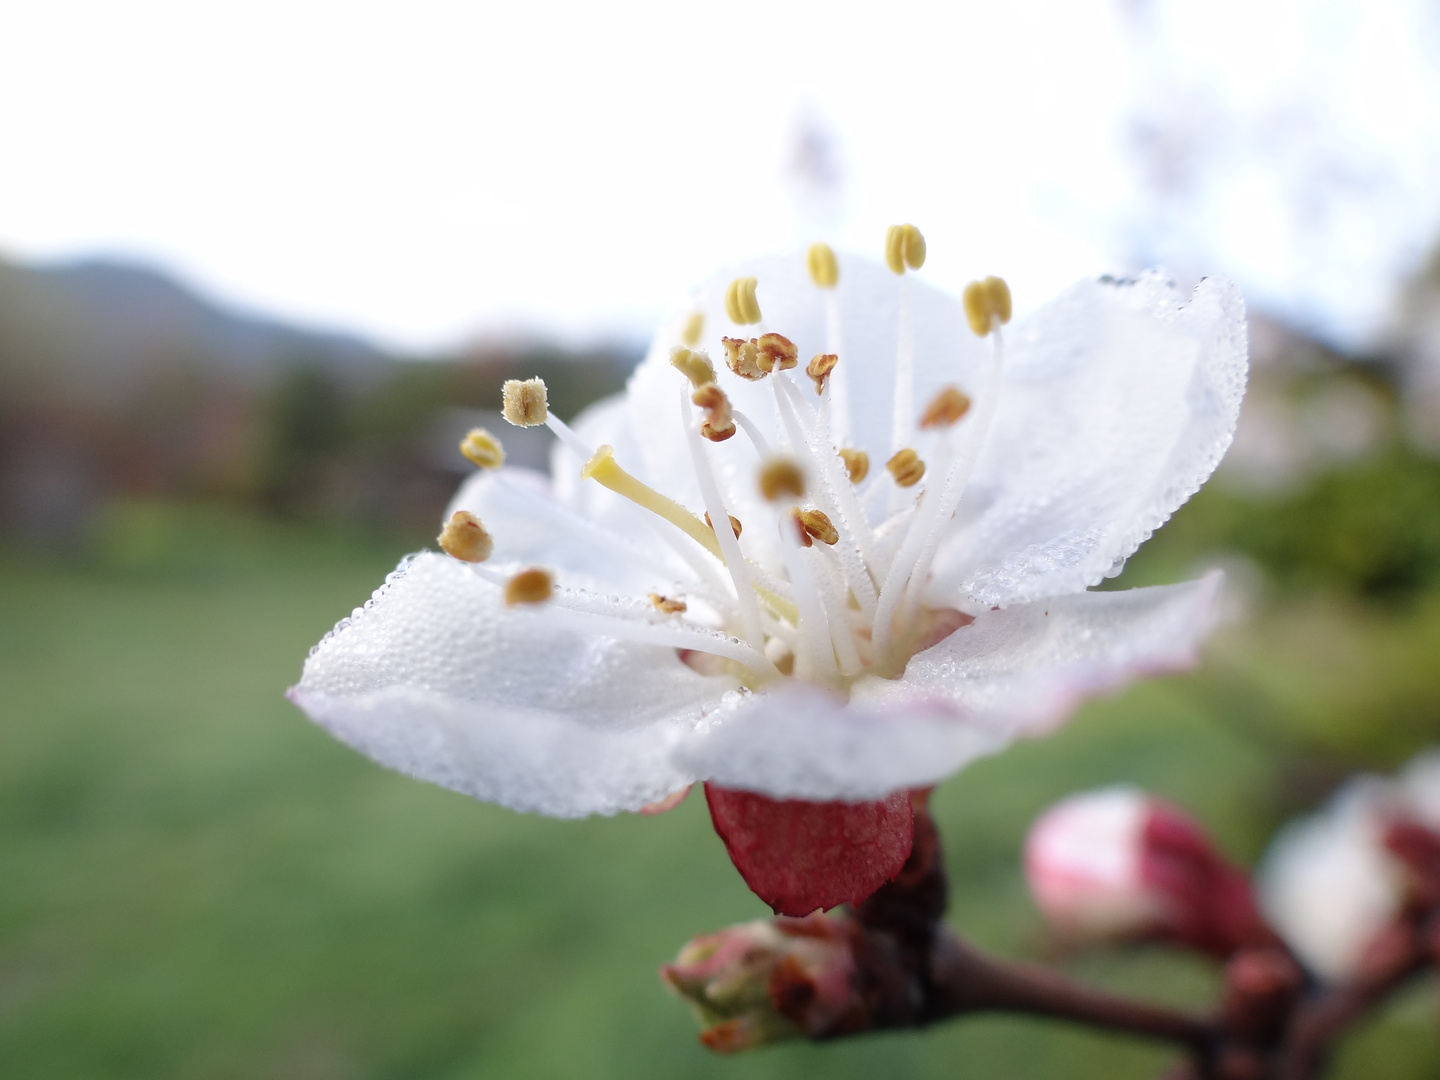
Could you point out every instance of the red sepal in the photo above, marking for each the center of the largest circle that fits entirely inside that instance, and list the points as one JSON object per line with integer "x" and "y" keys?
{"x": 799, "y": 856}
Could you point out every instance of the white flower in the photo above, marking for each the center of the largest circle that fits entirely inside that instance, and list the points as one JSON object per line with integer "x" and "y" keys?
{"x": 949, "y": 618}
{"x": 1330, "y": 883}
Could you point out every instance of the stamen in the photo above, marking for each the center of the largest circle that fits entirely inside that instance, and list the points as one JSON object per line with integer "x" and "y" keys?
{"x": 945, "y": 408}
{"x": 987, "y": 305}
{"x": 832, "y": 596}
{"x": 524, "y": 403}
{"x": 817, "y": 524}
{"x": 781, "y": 476}
{"x": 814, "y": 654}
{"x": 800, "y": 531}
{"x": 819, "y": 369}
{"x": 904, "y": 246}
{"x": 776, "y": 351}
{"x": 483, "y": 449}
{"x": 531, "y": 586}
{"x": 906, "y": 467}
{"x": 857, "y": 463}
{"x": 743, "y": 358}
{"x": 728, "y": 543}
{"x": 824, "y": 270}
{"x": 465, "y": 538}
{"x": 606, "y": 471}
{"x": 695, "y": 366}
{"x": 667, "y": 606}
{"x": 718, "y": 424}
{"x": 740, "y": 302}
{"x": 735, "y": 525}
{"x": 693, "y": 329}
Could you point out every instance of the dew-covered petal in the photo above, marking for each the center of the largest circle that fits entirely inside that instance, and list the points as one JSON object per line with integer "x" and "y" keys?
{"x": 801, "y": 742}
{"x": 1022, "y": 670}
{"x": 437, "y": 678}
{"x": 803, "y": 856}
{"x": 1119, "y": 399}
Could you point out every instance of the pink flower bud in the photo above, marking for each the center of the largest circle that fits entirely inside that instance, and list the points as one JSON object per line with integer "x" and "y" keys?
{"x": 1117, "y": 864}
{"x": 768, "y": 980}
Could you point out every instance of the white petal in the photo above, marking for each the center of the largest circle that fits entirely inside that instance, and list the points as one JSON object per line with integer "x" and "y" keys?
{"x": 800, "y": 742}
{"x": 1328, "y": 885}
{"x": 532, "y": 528}
{"x": 1022, "y": 670}
{"x": 435, "y": 677}
{"x": 1119, "y": 401}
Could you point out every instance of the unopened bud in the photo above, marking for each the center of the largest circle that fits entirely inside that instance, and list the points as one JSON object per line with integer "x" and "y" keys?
{"x": 524, "y": 403}
{"x": 764, "y": 981}
{"x": 945, "y": 408}
{"x": 1120, "y": 865}
{"x": 465, "y": 538}
{"x": 824, "y": 270}
{"x": 781, "y": 476}
{"x": 532, "y": 586}
{"x": 695, "y": 366}
{"x": 857, "y": 464}
{"x": 906, "y": 467}
{"x": 819, "y": 369}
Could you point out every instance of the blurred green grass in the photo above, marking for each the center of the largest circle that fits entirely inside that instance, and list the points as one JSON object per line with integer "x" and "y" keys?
{"x": 195, "y": 882}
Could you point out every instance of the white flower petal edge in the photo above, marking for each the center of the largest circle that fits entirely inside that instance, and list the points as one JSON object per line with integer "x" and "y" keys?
{"x": 436, "y": 678}
{"x": 1014, "y": 672}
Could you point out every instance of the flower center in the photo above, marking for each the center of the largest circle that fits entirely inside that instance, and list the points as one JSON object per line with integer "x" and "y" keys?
{"x": 856, "y": 545}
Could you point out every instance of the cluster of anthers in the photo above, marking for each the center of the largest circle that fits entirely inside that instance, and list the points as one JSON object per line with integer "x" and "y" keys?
{"x": 856, "y": 608}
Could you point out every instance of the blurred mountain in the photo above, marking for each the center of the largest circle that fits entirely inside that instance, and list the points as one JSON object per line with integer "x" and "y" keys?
{"x": 119, "y": 381}
{"x": 97, "y": 327}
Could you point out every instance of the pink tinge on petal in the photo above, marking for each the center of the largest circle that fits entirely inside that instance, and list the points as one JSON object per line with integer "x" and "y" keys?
{"x": 1210, "y": 903}
{"x": 668, "y": 803}
{"x": 802, "y": 856}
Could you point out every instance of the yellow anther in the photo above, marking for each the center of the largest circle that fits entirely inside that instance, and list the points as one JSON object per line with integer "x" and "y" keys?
{"x": 781, "y": 476}
{"x": 740, "y": 302}
{"x": 776, "y": 351}
{"x": 824, "y": 270}
{"x": 743, "y": 358}
{"x": 524, "y": 403}
{"x": 693, "y": 329}
{"x": 801, "y": 533}
{"x": 735, "y": 525}
{"x": 667, "y": 606}
{"x": 945, "y": 408}
{"x": 819, "y": 369}
{"x": 465, "y": 538}
{"x": 904, "y": 246}
{"x": 906, "y": 467}
{"x": 857, "y": 464}
{"x": 532, "y": 586}
{"x": 987, "y": 304}
{"x": 606, "y": 471}
{"x": 819, "y": 526}
{"x": 695, "y": 366}
{"x": 718, "y": 424}
{"x": 483, "y": 449}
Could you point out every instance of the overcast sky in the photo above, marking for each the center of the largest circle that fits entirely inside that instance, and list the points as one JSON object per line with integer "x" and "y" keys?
{"x": 428, "y": 171}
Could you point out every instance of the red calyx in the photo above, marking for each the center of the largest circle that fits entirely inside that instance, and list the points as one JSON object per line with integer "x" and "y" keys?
{"x": 1212, "y": 907}
{"x": 802, "y": 856}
